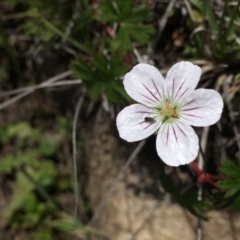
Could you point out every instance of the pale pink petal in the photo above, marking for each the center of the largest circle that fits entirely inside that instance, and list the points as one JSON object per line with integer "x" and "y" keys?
{"x": 182, "y": 78}
{"x": 202, "y": 108}
{"x": 144, "y": 84}
{"x": 177, "y": 143}
{"x": 131, "y": 123}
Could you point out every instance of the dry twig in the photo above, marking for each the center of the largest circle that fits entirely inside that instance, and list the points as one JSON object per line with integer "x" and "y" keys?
{"x": 116, "y": 180}
{"x": 163, "y": 21}
{"x": 76, "y": 187}
{"x": 230, "y": 108}
{"x": 55, "y": 84}
{"x": 27, "y": 92}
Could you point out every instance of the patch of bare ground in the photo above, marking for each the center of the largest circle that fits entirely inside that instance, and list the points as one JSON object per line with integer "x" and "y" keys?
{"x": 138, "y": 208}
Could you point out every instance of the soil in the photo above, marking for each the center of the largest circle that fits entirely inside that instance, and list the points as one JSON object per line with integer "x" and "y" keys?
{"x": 138, "y": 208}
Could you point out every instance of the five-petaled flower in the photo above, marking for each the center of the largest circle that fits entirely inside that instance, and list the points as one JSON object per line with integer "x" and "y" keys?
{"x": 168, "y": 107}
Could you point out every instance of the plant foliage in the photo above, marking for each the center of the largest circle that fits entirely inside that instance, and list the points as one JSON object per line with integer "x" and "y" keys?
{"x": 230, "y": 186}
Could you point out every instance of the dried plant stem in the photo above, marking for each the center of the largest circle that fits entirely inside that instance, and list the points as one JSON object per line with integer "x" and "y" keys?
{"x": 190, "y": 11}
{"x": 74, "y": 142}
{"x": 163, "y": 21}
{"x": 203, "y": 145}
{"x": 55, "y": 84}
{"x": 145, "y": 221}
{"x": 230, "y": 108}
{"x": 201, "y": 161}
{"x": 27, "y": 92}
{"x": 234, "y": 231}
{"x": 116, "y": 180}
{"x": 199, "y": 229}
{"x": 138, "y": 56}
{"x": 97, "y": 120}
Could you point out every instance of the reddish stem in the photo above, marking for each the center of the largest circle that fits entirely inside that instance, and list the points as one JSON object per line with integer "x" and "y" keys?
{"x": 202, "y": 176}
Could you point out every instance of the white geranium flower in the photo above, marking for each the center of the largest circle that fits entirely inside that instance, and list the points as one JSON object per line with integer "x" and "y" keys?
{"x": 168, "y": 107}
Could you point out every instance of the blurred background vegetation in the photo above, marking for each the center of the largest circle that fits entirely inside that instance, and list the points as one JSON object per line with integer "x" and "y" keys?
{"x": 59, "y": 54}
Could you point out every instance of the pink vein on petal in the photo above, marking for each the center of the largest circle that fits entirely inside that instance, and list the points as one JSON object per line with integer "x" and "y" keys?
{"x": 173, "y": 87}
{"x": 156, "y": 88}
{"x": 147, "y": 126}
{"x": 189, "y": 109}
{"x": 147, "y": 97}
{"x": 139, "y": 123}
{"x": 141, "y": 112}
{"x": 175, "y": 134}
{"x": 179, "y": 89}
{"x": 188, "y": 102}
{"x": 191, "y": 115}
{"x": 183, "y": 93}
{"x": 168, "y": 93}
{"x": 183, "y": 117}
{"x": 164, "y": 125}
{"x": 150, "y": 92}
{"x": 167, "y": 136}
{"x": 163, "y": 90}
{"x": 181, "y": 131}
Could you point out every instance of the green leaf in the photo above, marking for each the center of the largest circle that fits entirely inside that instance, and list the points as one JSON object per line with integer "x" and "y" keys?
{"x": 124, "y": 8}
{"x": 204, "y": 206}
{"x": 104, "y": 75}
{"x": 236, "y": 204}
{"x": 112, "y": 96}
{"x": 60, "y": 33}
{"x": 44, "y": 172}
{"x": 228, "y": 184}
{"x": 108, "y": 12}
{"x": 139, "y": 15}
{"x": 15, "y": 161}
{"x": 4, "y": 135}
{"x": 211, "y": 16}
{"x": 122, "y": 12}
{"x": 66, "y": 223}
{"x": 233, "y": 191}
{"x": 44, "y": 234}
{"x": 117, "y": 87}
{"x": 49, "y": 143}
{"x": 230, "y": 169}
{"x": 233, "y": 15}
{"x": 95, "y": 91}
{"x": 220, "y": 202}
{"x": 140, "y": 33}
{"x": 129, "y": 32}
{"x": 32, "y": 28}
{"x": 82, "y": 71}
{"x": 101, "y": 62}
{"x": 197, "y": 4}
{"x": 117, "y": 68}
{"x": 22, "y": 130}
{"x": 122, "y": 42}
{"x": 22, "y": 192}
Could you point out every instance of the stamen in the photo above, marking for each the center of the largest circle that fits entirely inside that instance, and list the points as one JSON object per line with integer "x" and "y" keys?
{"x": 168, "y": 111}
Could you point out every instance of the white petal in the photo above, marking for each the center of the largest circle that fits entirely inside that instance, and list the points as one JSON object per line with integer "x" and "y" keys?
{"x": 202, "y": 108}
{"x": 182, "y": 78}
{"x": 144, "y": 84}
{"x": 177, "y": 144}
{"x": 131, "y": 122}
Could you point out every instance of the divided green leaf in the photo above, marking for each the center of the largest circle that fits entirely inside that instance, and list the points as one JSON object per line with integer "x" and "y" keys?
{"x": 230, "y": 185}
{"x": 102, "y": 75}
{"x": 130, "y": 23}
